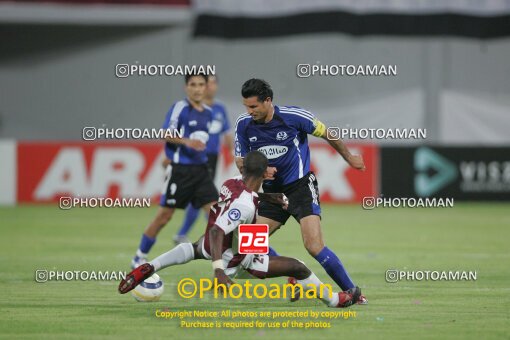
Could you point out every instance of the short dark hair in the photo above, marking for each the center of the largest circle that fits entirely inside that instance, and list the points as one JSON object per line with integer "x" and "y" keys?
{"x": 254, "y": 164}
{"x": 257, "y": 87}
{"x": 188, "y": 76}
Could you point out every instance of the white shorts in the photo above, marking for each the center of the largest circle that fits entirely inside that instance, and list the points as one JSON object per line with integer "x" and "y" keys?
{"x": 242, "y": 266}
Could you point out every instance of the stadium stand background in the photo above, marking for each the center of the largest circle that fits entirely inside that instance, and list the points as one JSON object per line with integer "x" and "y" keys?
{"x": 57, "y": 70}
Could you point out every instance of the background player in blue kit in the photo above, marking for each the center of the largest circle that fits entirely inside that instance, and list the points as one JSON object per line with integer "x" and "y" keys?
{"x": 281, "y": 133}
{"x": 187, "y": 177}
{"x": 220, "y": 127}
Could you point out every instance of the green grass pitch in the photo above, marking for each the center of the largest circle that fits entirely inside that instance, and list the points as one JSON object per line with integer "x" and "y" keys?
{"x": 471, "y": 236}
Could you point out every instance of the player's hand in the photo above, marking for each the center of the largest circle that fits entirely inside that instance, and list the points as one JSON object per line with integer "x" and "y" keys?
{"x": 222, "y": 278}
{"x": 356, "y": 161}
{"x": 195, "y": 144}
{"x": 166, "y": 162}
{"x": 282, "y": 200}
{"x": 271, "y": 170}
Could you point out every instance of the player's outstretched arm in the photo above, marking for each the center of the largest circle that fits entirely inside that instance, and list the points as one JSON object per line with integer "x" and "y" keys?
{"x": 356, "y": 161}
{"x": 216, "y": 235}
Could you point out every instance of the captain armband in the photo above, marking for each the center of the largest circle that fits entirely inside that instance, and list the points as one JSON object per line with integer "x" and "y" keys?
{"x": 320, "y": 128}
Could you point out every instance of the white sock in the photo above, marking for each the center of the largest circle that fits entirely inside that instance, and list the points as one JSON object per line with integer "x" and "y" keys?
{"x": 140, "y": 254}
{"x": 328, "y": 297}
{"x": 181, "y": 254}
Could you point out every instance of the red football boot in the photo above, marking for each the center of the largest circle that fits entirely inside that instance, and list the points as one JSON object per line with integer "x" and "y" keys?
{"x": 137, "y": 276}
{"x": 348, "y": 298}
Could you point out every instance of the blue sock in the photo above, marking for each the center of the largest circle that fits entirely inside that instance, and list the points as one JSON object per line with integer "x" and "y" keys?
{"x": 145, "y": 244}
{"x": 272, "y": 252}
{"x": 189, "y": 219}
{"x": 334, "y": 268}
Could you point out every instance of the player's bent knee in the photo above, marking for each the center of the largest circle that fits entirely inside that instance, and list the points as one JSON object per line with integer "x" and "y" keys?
{"x": 313, "y": 248}
{"x": 197, "y": 247}
{"x": 162, "y": 221}
{"x": 164, "y": 216}
{"x": 301, "y": 271}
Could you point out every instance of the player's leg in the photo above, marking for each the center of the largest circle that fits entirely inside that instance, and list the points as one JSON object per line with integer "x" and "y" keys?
{"x": 207, "y": 207}
{"x": 177, "y": 193}
{"x": 206, "y": 194}
{"x": 273, "y": 226}
{"x": 272, "y": 215}
{"x": 304, "y": 205}
{"x": 212, "y": 165}
{"x": 314, "y": 244}
{"x": 148, "y": 239}
{"x": 190, "y": 217}
{"x": 163, "y": 216}
{"x": 285, "y": 266}
{"x": 192, "y": 212}
{"x": 180, "y": 254}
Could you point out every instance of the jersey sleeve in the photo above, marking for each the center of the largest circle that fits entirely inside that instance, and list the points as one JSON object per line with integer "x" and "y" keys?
{"x": 174, "y": 116}
{"x": 306, "y": 121}
{"x": 166, "y": 122}
{"x": 175, "y": 121}
{"x": 238, "y": 213}
{"x": 241, "y": 139}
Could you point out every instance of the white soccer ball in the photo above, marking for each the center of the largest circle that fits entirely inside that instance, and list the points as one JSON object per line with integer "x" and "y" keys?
{"x": 149, "y": 290}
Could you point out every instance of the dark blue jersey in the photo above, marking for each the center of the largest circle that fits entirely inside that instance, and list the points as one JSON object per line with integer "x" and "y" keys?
{"x": 219, "y": 126}
{"x": 193, "y": 124}
{"x": 284, "y": 141}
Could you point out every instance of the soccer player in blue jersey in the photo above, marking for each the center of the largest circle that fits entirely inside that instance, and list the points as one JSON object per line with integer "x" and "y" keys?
{"x": 220, "y": 127}
{"x": 187, "y": 177}
{"x": 281, "y": 133}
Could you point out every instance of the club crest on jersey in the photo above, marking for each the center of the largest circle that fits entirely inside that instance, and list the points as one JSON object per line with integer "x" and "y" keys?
{"x": 273, "y": 151}
{"x": 234, "y": 214}
{"x": 282, "y": 135}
